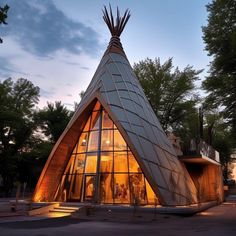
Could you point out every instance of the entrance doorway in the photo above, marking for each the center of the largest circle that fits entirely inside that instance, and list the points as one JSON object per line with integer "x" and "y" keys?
{"x": 89, "y": 188}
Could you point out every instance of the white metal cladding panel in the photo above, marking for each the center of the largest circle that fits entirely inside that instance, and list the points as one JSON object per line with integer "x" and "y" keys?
{"x": 138, "y": 90}
{"x": 124, "y": 94}
{"x": 153, "y": 159}
{"x": 161, "y": 157}
{"x": 150, "y": 133}
{"x": 156, "y": 135}
{"x": 133, "y": 118}
{"x": 130, "y": 87}
{"x": 174, "y": 161}
{"x": 134, "y": 97}
{"x": 119, "y": 112}
{"x": 183, "y": 186}
{"x": 171, "y": 178}
{"x": 157, "y": 176}
{"x": 173, "y": 164}
{"x": 121, "y": 86}
{"x": 139, "y": 110}
{"x": 128, "y": 105}
{"x": 112, "y": 68}
{"x": 107, "y": 82}
{"x": 126, "y": 125}
{"x": 189, "y": 185}
{"x": 146, "y": 113}
{"x": 183, "y": 200}
{"x": 136, "y": 143}
{"x": 122, "y": 71}
{"x": 118, "y": 58}
{"x": 138, "y": 129}
{"x": 170, "y": 197}
{"x": 113, "y": 98}
{"x": 131, "y": 74}
{"x": 105, "y": 60}
{"x": 148, "y": 147}
{"x": 117, "y": 78}
{"x": 155, "y": 121}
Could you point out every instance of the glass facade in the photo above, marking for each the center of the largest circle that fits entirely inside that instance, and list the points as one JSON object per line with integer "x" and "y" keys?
{"x": 102, "y": 168}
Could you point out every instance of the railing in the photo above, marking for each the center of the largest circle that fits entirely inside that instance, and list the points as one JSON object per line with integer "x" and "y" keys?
{"x": 200, "y": 147}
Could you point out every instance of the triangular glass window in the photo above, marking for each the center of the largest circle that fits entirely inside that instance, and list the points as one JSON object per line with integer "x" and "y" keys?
{"x": 102, "y": 168}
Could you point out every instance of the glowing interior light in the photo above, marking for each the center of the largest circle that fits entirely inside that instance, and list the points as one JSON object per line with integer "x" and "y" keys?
{"x": 107, "y": 142}
{"x": 83, "y": 142}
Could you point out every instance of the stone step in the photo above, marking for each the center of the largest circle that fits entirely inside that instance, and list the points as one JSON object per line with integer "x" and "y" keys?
{"x": 67, "y": 208}
{"x": 62, "y": 210}
{"x": 70, "y": 204}
{"x": 58, "y": 214}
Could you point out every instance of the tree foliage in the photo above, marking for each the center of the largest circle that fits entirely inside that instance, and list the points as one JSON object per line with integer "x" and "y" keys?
{"x": 53, "y": 120}
{"x": 170, "y": 93}
{"x": 17, "y": 100}
{"x": 3, "y": 16}
{"x": 220, "y": 39}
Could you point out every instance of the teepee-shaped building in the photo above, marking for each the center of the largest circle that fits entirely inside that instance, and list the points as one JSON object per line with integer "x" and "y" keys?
{"x": 114, "y": 149}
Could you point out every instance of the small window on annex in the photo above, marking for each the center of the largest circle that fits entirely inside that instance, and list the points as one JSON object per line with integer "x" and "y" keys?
{"x": 102, "y": 168}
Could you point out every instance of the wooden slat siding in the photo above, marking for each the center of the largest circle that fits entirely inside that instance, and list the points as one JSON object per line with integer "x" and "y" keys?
{"x": 208, "y": 183}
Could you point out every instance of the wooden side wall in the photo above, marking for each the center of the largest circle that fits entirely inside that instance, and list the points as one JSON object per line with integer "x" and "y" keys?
{"x": 208, "y": 181}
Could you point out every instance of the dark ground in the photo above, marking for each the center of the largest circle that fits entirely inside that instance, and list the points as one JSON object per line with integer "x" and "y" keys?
{"x": 217, "y": 221}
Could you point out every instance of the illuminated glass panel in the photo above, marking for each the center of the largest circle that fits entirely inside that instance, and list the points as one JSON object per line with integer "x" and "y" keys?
{"x": 75, "y": 192}
{"x": 133, "y": 164}
{"x": 121, "y": 188}
{"x": 79, "y": 164}
{"x": 95, "y": 121}
{"x": 86, "y": 128}
{"x": 106, "y": 162}
{"x": 106, "y": 121}
{"x": 69, "y": 168}
{"x": 91, "y": 163}
{"x": 97, "y": 106}
{"x": 151, "y": 196}
{"x": 106, "y": 188}
{"x": 120, "y": 162}
{"x": 137, "y": 189}
{"x": 64, "y": 188}
{"x": 107, "y": 140}
{"x": 119, "y": 142}
{"x": 93, "y": 141}
{"x": 89, "y": 189}
{"x": 82, "y": 144}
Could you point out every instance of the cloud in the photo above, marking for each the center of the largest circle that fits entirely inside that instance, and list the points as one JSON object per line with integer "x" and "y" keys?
{"x": 84, "y": 67}
{"x": 42, "y": 29}
{"x": 46, "y": 94}
{"x": 7, "y": 68}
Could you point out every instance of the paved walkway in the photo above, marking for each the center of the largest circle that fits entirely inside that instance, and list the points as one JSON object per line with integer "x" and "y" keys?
{"x": 217, "y": 221}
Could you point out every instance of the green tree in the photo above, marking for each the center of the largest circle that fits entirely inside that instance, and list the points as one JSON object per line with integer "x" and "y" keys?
{"x": 30, "y": 163}
{"x": 217, "y": 133}
{"x": 53, "y": 120}
{"x": 3, "y": 16}
{"x": 220, "y": 38}
{"x": 171, "y": 94}
{"x": 17, "y": 101}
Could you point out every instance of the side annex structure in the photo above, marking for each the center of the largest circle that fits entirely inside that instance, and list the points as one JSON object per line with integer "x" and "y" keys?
{"x": 114, "y": 150}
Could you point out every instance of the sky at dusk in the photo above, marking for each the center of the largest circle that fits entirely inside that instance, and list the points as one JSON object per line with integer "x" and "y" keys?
{"x": 57, "y": 44}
